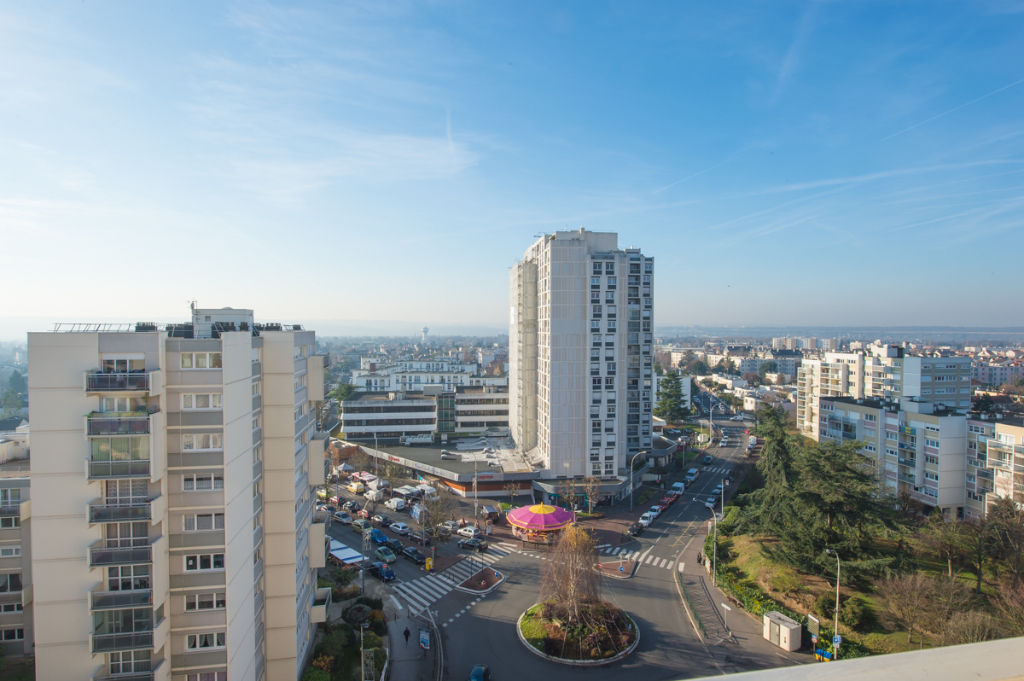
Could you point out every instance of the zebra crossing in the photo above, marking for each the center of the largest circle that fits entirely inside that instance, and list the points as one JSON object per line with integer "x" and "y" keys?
{"x": 644, "y": 558}
{"x": 422, "y": 592}
{"x": 719, "y": 469}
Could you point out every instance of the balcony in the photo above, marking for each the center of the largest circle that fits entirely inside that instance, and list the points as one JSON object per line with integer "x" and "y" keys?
{"x": 110, "y": 643}
{"x": 257, "y": 504}
{"x": 257, "y": 402}
{"x": 100, "y": 382}
{"x": 132, "y": 676}
{"x": 116, "y": 600}
{"x": 101, "y": 555}
{"x": 102, "y": 470}
{"x": 321, "y": 601}
{"x": 257, "y": 436}
{"x": 129, "y": 510}
{"x": 117, "y": 423}
{"x": 257, "y": 368}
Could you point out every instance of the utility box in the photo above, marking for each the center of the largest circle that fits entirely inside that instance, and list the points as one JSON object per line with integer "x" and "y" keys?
{"x": 781, "y": 631}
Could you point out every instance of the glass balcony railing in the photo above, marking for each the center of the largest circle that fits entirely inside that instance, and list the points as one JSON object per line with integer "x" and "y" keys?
{"x": 98, "y": 381}
{"x": 110, "y": 643}
{"x": 127, "y": 510}
{"x": 100, "y": 554}
{"x": 115, "y": 600}
{"x": 99, "y": 470}
{"x": 118, "y": 423}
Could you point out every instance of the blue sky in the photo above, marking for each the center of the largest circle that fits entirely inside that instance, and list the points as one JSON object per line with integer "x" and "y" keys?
{"x": 839, "y": 163}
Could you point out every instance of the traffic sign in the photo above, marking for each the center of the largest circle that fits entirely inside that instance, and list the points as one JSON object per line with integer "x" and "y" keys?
{"x": 837, "y": 639}
{"x": 424, "y": 639}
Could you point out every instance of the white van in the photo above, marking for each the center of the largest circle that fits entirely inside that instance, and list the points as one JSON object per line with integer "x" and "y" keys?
{"x": 691, "y": 475}
{"x": 678, "y": 487}
{"x": 395, "y": 503}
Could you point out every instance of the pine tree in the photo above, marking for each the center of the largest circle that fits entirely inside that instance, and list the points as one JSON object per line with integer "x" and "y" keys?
{"x": 670, "y": 399}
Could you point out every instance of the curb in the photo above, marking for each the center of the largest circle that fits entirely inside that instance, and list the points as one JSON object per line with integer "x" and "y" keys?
{"x": 616, "y": 575}
{"x": 579, "y": 663}
{"x": 478, "y": 592}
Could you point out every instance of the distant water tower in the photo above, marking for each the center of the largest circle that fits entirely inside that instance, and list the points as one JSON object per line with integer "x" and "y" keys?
{"x": 423, "y": 337}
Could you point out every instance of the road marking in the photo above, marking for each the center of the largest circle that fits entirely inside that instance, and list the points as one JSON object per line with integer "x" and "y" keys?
{"x": 603, "y": 546}
{"x": 682, "y": 566}
{"x": 395, "y": 601}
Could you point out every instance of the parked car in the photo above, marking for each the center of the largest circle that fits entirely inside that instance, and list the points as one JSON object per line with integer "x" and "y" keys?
{"x": 395, "y": 504}
{"x": 655, "y": 511}
{"x": 381, "y": 519}
{"x": 711, "y": 502}
{"x": 382, "y": 571}
{"x": 635, "y": 530}
{"x": 707, "y": 459}
{"x": 474, "y": 544}
{"x": 363, "y": 513}
{"x": 414, "y": 554}
{"x": 399, "y": 528}
{"x": 469, "y": 531}
{"x": 481, "y": 672}
{"x": 419, "y": 537}
{"x": 351, "y": 506}
{"x": 717, "y": 490}
{"x": 449, "y": 525}
{"x": 360, "y": 524}
{"x": 394, "y": 545}
{"x": 343, "y": 518}
{"x": 385, "y": 554}
{"x": 645, "y": 520}
{"x": 378, "y": 537}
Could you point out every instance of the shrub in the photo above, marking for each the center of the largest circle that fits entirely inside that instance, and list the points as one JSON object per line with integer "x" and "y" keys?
{"x": 856, "y": 613}
{"x": 825, "y": 605}
{"x": 378, "y": 622}
{"x": 372, "y": 602}
{"x": 314, "y": 674}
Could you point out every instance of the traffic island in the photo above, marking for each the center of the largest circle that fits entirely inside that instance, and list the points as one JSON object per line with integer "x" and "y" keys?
{"x": 484, "y": 581}
{"x": 602, "y": 635}
{"x": 618, "y": 569}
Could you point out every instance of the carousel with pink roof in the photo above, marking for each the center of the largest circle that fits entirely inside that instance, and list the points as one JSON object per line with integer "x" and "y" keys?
{"x": 540, "y": 523}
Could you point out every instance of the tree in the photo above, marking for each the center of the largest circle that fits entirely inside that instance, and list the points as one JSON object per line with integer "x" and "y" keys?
{"x": 984, "y": 404}
{"x": 752, "y": 378}
{"x": 591, "y": 488}
{"x": 1009, "y": 604}
{"x": 765, "y": 368}
{"x": 439, "y": 508}
{"x": 946, "y": 538}
{"x": 343, "y": 391}
{"x": 17, "y": 382}
{"x": 670, "y": 399}
{"x": 1006, "y": 523}
{"x": 978, "y": 540}
{"x": 569, "y": 579}
{"x": 906, "y": 599}
{"x": 972, "y": 626}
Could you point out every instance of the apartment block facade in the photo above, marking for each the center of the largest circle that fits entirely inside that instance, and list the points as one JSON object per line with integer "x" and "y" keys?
{"x": 881, "y": 372}
{"x": 580, "y": 354}
{"x": 995, "y": 461}
{"x": 16, "y": 625}
{"x": 177, "y": 539}
{"x": 915, "y": 448}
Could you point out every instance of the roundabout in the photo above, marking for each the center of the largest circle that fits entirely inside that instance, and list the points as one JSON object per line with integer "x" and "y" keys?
{"x": 609, "y": 635}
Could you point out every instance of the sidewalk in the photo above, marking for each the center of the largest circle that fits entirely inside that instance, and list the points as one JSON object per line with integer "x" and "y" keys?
{"x": 407, "y": 661}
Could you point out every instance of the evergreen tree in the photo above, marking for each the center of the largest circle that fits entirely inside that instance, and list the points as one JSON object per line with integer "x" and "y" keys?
{"x": 670, "y": 399}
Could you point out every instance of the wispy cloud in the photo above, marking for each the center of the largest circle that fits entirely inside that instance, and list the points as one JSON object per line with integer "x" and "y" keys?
{"x": 937, "y": 116}
{"x": 794, "y": 53}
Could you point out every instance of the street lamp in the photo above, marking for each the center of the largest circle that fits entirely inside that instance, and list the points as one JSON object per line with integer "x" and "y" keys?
{"x": 835, "y": 648}
{"x": 631, "y": 462}
{"x": 714, "y": 554}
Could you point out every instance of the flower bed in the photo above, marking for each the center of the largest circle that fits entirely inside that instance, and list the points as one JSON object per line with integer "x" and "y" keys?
{"x": 603, "y": 634}
{"x": 482, "y": 581}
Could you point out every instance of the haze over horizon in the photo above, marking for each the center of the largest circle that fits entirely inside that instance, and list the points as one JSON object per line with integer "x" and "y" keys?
{"x": 799, "y": 163}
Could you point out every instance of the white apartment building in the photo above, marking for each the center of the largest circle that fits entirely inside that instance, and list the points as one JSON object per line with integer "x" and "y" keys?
{"x": 176, "y": 541}
{"x": 997, "y": 373}
{"x": 580, "y": 354}
{"x": 915, "y": 447}
{"x": 15, "y": 558}
{"x": 995, "y": 461}
{"x": 375, "y": 375}
{"x": 881, "y": 372}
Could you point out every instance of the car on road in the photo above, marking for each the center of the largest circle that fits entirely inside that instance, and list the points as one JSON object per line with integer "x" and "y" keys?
{"x": 382, "y": 571}
{"x": 394, "y": 545}
{"x": 469, "y": 531}
{"x": 738, "y": 417}
{"x": 351, "y": 506}
{"x": 419, "y": 537}
{"x": 474, "y": 544}
{"x": 449, "y": 525}
{"x": 399, "y": 528}
{"x": 363, "y": 513}
{"x": 645, "y": 520}
{"x": 481, "y": 672}
{"x": 707, "y": 459}
{"x": 378, "y": 537}
{"x": 381, "y": 519}
{"x": 343, "y": 518}
{"x": 360, "y": 524}
{"x": 414, "y": 554}
{"x": 655, "y": 511}
{"x": 635, "y": 529}
{"x": 667, "y": 501}
{"x": 711, "y": 502}
{"x": 385, "y": 554}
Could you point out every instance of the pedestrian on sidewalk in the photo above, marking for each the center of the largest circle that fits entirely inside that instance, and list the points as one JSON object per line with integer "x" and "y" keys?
{"x": 406, "y": 635}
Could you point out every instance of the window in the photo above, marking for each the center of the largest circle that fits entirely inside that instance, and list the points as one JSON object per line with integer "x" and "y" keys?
{"x": 200, "y": 360}
{"x": 11, "y": 582}
{"x": 12, "y": 634}
{"x": 207, "y": 601}
{"x": 122, "y": 366}
{"x": 200, "y": 562}
{"x": 200, "y": 400}
{"x": 204, "y": 522}
{"x": 201, "y": 441}
{"x": 12, "y": 607}
{"x": 205, "y": 641}
{"x": 128, "y": 578}
{"x": 128, "y": 662}
{"x": 202, "y": 482}
{"x": 10, "y": 496}
{"x": 207, "y": 676}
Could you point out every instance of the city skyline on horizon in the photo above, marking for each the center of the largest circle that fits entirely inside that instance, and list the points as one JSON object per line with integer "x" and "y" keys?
{"x": 805, "y": 164}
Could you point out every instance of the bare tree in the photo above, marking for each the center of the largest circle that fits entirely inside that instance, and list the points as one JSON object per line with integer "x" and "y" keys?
{"x": 438, "y": 509}
{"x": 1009, "y": 604}
{"x": 948, "y": 539}
{"x": 950, "y": 598}
{"x": 972, "y": 626}
{"x": 569, "y": 579}
{"x": 591, "y": 487}
{"x": 512, "y": 490}
{"x": 906, "y": 599}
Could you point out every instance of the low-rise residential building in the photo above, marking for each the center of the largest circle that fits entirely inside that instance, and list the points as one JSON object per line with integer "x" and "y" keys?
{"x": 16, "y": 626}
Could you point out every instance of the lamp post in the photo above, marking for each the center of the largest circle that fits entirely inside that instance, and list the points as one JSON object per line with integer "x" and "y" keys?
{"x": 835, "y": 648}
{"x": 631, "y": 462}
{"x": 714, "y": 554}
